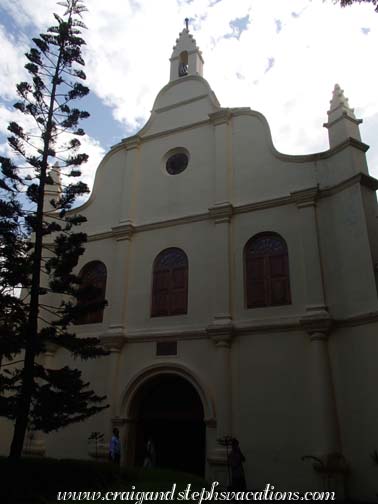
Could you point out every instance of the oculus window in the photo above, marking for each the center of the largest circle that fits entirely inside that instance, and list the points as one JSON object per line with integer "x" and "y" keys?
{"x": 176, "y": 161}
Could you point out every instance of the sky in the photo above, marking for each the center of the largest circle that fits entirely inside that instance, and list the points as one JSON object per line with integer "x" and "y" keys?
{"x": 279, "y": 57}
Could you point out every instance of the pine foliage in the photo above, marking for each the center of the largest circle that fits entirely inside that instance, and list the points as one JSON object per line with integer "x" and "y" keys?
{"x": 38, "y": 246}
{"x": 345, "y": 3}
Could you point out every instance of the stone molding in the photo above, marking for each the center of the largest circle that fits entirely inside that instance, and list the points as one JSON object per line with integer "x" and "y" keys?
{"x": 132, "y": 142}
{"x": 305, "y": 197}
{"x": 192, "y": 51}
{"x": 221, "y": 212}
{"x": 318, "y": 326}
{"x": 225, "y": 211}
{"x": 345, "y": 115}
{"x": 210, "y": 422}
{"x": 222, "y": 116}
{"x": 221, "y": 333}
{"x": 119, "y": 421}
{"x": 181, "y": 103}
{"x": 113, "y": 343}
{"x": 123, "y": 231}
{"x": 243, "y": 327}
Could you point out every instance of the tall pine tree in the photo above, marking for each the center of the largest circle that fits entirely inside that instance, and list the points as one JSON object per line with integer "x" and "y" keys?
{"x": 38, "y": 247}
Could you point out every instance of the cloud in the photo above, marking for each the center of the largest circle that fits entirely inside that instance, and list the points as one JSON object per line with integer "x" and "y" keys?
{"x": 89, "y": 146}
{"x": 238, "y": 25}
{"x": 11, "y": 53}
{"x": 127, "y": 58}
{"x": 270, "y": 65}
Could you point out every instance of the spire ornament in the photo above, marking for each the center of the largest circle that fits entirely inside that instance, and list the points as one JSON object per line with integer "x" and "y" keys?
{"x": 342, "y": 123}
{"x": 186, "y": 59}
{"x": 340, "y": 102}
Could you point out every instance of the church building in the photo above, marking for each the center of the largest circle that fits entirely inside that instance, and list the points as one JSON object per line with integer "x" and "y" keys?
{"x": 242, "y": 296}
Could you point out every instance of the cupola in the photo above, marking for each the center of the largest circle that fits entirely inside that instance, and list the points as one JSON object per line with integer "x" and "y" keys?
{"x": 186, "y": 58}
{"x": 342, "y": 123}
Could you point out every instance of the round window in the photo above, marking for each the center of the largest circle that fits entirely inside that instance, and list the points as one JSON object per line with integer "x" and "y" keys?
{"x": 176, "y": 163}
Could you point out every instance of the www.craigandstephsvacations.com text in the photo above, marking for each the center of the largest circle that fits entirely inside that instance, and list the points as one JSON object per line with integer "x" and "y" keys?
{"x": 213, "y": 494}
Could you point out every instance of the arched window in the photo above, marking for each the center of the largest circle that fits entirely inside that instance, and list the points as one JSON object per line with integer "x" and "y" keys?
{"x": 267, "y": 281}
{"x": 91, "y": 299}
{"x": 170, "y": 283}
{"x": 183, "y": 64}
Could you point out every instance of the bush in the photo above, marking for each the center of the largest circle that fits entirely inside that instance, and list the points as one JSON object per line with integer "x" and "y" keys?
{"x": 38, "y": 480}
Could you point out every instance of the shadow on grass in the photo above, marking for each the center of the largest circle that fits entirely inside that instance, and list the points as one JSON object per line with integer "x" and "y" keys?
{"x": 39, "y": 480}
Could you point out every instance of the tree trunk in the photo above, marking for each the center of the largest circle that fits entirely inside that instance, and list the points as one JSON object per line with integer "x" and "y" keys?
{"x": 27, "y": 388}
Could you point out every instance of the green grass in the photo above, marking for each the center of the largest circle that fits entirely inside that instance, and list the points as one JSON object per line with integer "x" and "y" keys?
{"x": 38, "y": 480}
{"x": 160, "y": 480}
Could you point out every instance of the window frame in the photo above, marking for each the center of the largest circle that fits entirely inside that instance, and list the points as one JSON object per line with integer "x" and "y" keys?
{"x": 155, "y": 308}
{"x": 94, "y": 316}
{"x": 268, "y": 279}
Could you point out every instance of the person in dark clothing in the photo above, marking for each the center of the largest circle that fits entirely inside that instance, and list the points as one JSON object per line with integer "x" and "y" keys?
{"x": 235, "y": 460}
{"x": 115, "y": 447}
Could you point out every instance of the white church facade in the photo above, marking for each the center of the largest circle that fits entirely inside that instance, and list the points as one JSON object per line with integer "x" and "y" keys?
{"x": 242, "y": 294}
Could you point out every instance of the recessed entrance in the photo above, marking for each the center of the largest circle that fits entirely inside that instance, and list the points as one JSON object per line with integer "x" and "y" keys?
{"x": 169, "y": 411}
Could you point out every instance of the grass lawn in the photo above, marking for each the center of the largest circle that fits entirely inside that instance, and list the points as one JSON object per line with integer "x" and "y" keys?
{"x": 38, "y": 480}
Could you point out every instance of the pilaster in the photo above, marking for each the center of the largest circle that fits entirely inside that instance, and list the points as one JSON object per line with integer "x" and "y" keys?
{"x": 221, "y": 335}
{"x": 120, "y": 275}
{"x": 306, "y": 204}
{"x": 114, "y": 345}
{"x": 221, "y": 121}
{"x": 325, "y": 428}
{"x": 132, "y": 146}
{"x": 35, "y": 441}
{"x": 221, "y": 215}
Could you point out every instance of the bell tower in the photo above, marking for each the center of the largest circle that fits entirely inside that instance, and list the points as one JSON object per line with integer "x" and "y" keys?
{"x": 342, "y": 123}
{"x": 186, "y": 58}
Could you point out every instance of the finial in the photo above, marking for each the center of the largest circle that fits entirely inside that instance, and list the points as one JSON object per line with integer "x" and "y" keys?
{"x": 339, "y": 101}
{"x": 187, "y": 24}
{"x": 342, "y": 123}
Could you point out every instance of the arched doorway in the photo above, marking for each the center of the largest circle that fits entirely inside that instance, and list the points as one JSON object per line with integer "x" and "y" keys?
{"x": 168, "y": 410}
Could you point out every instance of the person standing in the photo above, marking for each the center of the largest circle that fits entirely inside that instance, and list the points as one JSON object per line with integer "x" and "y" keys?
{"x": 150, "y": 458}
{"x": 115, "y": 447}
{"x": 236, "y": 459}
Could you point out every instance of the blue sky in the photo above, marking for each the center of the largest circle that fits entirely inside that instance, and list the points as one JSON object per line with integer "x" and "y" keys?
{"x": 281, "y": 58}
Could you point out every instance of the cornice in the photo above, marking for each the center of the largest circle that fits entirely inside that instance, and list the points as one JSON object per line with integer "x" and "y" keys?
{"x": 188, "y": 219}
{"x": 124, "y": 230}
{"x": 223, "y": 212}
{"x": 305, "y": 197}
{"x": 270, "y": 325}
{"x": 344, "y": 116}
{"x": 220, "y": 117}
{"x": 176, "y": 333}
{"x": 360, "y": 178}
{"x": 105, "y": 235}
{"x": 357, "y": 320}
{"x": 112, "y": 342}
{"x": 317, "y": 325}
{"x": 221, "y": 332}
{"x": 224, "y": 333}
{"x": 181, "y": 103}
{"x": 263, "y": 204}
{"x": 132, "y": 142}
{"x": 192, "y": 51}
